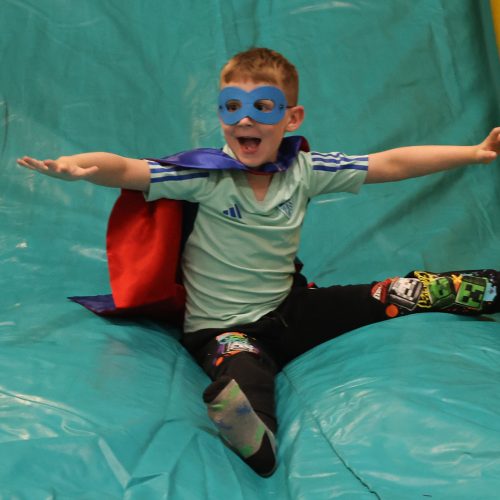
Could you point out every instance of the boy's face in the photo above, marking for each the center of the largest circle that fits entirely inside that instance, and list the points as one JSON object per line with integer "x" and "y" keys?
{"x": 255, "y": 143}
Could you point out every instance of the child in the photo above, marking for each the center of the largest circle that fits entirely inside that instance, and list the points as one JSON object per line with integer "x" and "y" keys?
{"x": 245, "y": 316}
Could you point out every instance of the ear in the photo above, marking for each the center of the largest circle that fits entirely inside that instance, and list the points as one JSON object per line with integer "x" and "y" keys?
{"x": 296, "y": 117}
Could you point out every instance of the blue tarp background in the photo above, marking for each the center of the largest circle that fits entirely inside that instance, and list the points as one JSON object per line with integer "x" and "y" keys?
{"x": 98, "y": 409}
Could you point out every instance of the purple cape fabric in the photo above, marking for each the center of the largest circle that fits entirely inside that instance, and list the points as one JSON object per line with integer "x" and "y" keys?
{"x": 216, "y": 159}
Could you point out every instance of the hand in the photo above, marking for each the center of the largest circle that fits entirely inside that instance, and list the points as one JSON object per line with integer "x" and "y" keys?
{"x": 59, "y": 169}
{"x": 489, "y": 149}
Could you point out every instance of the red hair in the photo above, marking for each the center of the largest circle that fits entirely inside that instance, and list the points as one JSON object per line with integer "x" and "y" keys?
{"x": 263, "y": 65}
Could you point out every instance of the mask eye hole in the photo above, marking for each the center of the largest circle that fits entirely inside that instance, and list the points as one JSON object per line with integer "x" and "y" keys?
{"x": 264, "y": 105}
{"x": 233, "y": 105}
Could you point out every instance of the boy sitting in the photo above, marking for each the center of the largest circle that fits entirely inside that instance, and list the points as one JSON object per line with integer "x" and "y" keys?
{"x": 245, "y": 316}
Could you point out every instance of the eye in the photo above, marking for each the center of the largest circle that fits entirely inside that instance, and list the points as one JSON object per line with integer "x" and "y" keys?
{"x": 264, "y": 105}
{"x": 233, "y": 105}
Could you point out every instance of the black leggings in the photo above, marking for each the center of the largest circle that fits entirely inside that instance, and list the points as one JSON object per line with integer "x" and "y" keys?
{"x": 253, "y": 353}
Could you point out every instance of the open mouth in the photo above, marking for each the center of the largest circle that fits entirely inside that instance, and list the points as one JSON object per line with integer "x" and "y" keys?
{"x": 249, "y": 144}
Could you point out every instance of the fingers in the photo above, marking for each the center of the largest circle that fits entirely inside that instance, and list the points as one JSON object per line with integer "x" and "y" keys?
{"x": 58, "y": 169}
{"x": 46, "y": 167}
{"x": 489, "y": 149}
{"x": 32, "y": 163}
{"x": 494, "y": 137}
{"x": 497, "y": 138}
{"x": 488, "y": 156}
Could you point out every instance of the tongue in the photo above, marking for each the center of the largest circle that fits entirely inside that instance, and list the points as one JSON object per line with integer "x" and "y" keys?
{"x": 249, "y": 145}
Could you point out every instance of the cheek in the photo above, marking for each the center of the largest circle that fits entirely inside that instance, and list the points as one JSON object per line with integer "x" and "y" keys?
{"x": 226, "y": 133}
{"x": 225, "y": 128}
{"x": 277, "y": 135}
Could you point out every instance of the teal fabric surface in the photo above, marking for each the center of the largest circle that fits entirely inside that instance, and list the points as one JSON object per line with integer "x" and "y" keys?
{"x": 98, "y": 409}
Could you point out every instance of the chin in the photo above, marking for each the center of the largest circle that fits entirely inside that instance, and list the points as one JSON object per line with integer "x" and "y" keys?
{"x": 251, "y": 163}
{"x": 254, "y": 163}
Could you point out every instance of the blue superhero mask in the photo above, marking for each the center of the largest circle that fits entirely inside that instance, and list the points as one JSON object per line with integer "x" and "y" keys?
{"x": 264, "y": 105}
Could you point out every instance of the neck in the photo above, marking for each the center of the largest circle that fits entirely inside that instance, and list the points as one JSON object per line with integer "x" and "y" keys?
{"x": 259, "y": 183}
{"x": 258, "y": 172}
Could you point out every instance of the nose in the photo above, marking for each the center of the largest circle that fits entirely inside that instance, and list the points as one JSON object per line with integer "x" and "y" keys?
{"x": 245, "y": 121}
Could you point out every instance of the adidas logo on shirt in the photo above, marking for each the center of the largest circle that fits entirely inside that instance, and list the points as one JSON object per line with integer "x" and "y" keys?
{"x": 233, "y": 212}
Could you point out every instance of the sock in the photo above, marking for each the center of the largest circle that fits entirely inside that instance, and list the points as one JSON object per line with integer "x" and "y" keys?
{"x": 240, "y": 426}
{"x": 459, "y": 292}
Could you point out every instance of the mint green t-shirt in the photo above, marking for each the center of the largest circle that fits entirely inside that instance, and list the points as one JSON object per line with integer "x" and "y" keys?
{"x": 238, "y": 261}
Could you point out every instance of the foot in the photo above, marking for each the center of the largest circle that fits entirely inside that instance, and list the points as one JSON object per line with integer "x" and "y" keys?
{"x": 240, "y": 426}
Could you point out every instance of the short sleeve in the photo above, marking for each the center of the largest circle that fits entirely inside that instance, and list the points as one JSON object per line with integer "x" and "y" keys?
{"x": 176, "y": 183}
{"x": 337, "y": 172}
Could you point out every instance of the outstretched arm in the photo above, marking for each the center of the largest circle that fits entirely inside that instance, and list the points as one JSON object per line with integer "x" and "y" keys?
{"x": 104, "y": 169}
{"x": 415, "y": 161}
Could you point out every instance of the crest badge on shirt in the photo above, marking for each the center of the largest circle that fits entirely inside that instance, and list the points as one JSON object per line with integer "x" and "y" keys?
{"x": 286, "y": 208}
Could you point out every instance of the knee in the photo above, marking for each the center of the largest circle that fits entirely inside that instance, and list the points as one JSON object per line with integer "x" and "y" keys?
{"x": 242, "y": 358}
{"x": 231, "y": 344}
